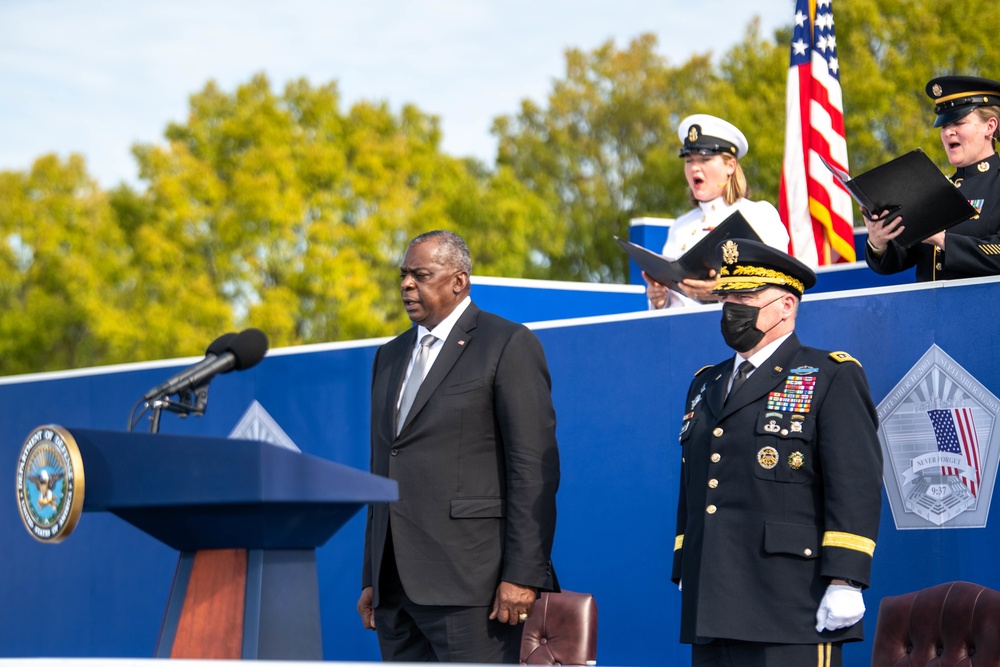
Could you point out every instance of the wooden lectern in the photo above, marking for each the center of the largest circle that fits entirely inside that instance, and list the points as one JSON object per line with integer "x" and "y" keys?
{"x": 247, "y": 517}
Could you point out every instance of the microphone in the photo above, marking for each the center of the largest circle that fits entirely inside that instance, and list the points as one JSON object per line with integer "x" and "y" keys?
{"x": 220, "y": 344}
{"x": 227, "y": 352}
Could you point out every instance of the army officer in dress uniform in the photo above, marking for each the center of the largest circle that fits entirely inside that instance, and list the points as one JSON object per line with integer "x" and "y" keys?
{"x": 968, "y": 113}
{"x": 780, "y": 481}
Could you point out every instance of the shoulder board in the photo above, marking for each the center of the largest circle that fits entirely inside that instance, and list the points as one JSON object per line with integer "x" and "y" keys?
{"x": 841, "y": 357}
{"x": 702, "y": 370}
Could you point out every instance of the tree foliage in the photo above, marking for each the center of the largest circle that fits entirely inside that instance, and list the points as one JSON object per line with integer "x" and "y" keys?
{"x": 299, "y": 214}
{"x": 889, "y": 50}
{"x": 280, "y": 210}
{"x": 595, "y": 153}
{"x": 604, "y": 148}
{"x": 63, "y": 270}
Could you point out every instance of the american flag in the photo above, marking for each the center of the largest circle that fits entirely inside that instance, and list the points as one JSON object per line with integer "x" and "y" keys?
{"x": 955, "y": 433}
{"x": 815, "y": 207}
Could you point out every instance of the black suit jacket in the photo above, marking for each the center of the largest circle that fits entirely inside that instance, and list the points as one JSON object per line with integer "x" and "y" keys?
{"x": 781, "y": 491}
{"x": 476, "y": 462}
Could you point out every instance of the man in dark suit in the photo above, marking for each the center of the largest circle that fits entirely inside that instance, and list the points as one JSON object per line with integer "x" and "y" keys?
{"x": 781, "y": 475}
{"x": 453, "y": 569}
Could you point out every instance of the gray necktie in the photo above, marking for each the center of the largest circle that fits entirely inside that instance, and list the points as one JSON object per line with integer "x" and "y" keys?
{"x": 741, "y": 376}
{"x": 413, "y": 382}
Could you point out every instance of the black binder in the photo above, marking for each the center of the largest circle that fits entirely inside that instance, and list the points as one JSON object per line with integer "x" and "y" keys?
{"x": 913, "y": 187}
{"x": 697, "y": 262}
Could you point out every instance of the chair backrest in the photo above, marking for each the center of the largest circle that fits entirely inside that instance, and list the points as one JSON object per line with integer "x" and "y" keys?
{"x": 950, "y": 624}
{"x": 562, "y": 630}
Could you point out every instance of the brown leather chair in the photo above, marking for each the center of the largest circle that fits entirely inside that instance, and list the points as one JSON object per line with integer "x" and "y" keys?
{"x": 947, "y": 625}
{"x": 562, "y": 630}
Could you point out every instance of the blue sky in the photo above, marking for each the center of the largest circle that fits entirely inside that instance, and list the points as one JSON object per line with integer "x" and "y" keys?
{"x": 95, "y": 76}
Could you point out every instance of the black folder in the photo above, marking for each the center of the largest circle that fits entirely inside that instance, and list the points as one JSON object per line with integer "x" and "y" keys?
{"x": 912, "y": 186}
{"x": 697, "y": 262}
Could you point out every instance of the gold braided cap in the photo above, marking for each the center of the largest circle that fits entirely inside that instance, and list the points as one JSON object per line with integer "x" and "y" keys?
{"x": 745, "y": 277}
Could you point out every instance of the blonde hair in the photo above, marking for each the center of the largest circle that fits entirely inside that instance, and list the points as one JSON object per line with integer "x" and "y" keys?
{"x": 985, "y": 113}
{"x": 736, "y": 187}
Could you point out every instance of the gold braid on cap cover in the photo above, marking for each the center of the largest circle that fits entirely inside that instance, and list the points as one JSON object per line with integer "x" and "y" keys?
{"x": 971, "y": 93}
{"x": 748, "y": 277}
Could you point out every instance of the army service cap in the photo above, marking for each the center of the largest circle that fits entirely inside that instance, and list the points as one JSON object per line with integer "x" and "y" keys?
{"x": 749, "y": 266}
{"x": 956, "y": 96}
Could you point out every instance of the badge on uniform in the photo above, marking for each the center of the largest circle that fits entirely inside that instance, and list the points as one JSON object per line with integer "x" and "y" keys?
{"x": 796, "y": 395}
{"x": 687, "y": 422}
{"x": 796, "y": 460}
{"x": 697, "y": 399}
{"x": 767, "y": 457}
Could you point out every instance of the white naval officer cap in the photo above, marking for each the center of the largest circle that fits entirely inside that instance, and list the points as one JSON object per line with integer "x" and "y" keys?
{"x": 707, "y": 135}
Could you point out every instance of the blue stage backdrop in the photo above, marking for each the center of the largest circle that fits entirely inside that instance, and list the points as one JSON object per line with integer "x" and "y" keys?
{"x": 619, "y": 382}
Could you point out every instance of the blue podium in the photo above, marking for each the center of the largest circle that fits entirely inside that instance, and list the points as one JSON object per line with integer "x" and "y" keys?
{"x": 247, "y": 517}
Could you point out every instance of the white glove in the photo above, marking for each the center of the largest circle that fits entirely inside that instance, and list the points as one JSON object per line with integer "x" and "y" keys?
{"x": 840, "y": 607}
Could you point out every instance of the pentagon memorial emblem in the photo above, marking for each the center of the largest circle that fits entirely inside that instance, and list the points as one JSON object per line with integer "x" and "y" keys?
{"x": 50, "y": 484}
{"x": 939, "y": 441}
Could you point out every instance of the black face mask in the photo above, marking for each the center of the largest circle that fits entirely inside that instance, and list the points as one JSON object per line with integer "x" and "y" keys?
{"x": 739, "y": 325}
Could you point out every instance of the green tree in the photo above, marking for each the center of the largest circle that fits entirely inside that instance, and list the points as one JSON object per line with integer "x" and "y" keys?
{"x": 282, "y": 211}
{"x": 752, "y": 90}
{"x": 298, "y": 215}
{"x": 63, "y": 271}
{"x": 604, "y": 150}
{"x": 889, "y": 50}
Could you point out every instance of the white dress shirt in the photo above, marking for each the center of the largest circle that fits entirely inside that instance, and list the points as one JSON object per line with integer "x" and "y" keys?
{"x": 440, "y": 333}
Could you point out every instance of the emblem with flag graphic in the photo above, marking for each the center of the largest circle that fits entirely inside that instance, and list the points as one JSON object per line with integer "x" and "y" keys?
{"x": 955, "y": 433}
{"x": 814, "y": 206}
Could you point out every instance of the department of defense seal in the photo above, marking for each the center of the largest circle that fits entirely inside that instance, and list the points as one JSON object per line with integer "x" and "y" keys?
{"x": 767, "y": 457}
{"x": 50, "y": 483}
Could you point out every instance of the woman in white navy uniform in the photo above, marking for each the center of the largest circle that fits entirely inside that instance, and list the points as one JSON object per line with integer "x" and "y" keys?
{"x": 712, "y": 149}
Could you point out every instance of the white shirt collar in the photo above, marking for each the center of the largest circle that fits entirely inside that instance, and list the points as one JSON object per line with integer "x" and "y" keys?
{"x": 716, "y": 205}
{"x": 762, "y": 355}
{"x": 444, "y": 327}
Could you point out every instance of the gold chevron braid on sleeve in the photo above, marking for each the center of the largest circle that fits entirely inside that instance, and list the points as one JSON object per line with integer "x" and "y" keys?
{"x": 832, "y": 538}
{"x": 678, "y": 542}
{"x": 990, "y": 248}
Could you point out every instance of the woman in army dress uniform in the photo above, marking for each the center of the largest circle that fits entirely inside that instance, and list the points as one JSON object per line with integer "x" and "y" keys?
{"x": 712, "y": 151}
{"x": 968, "y": 113}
